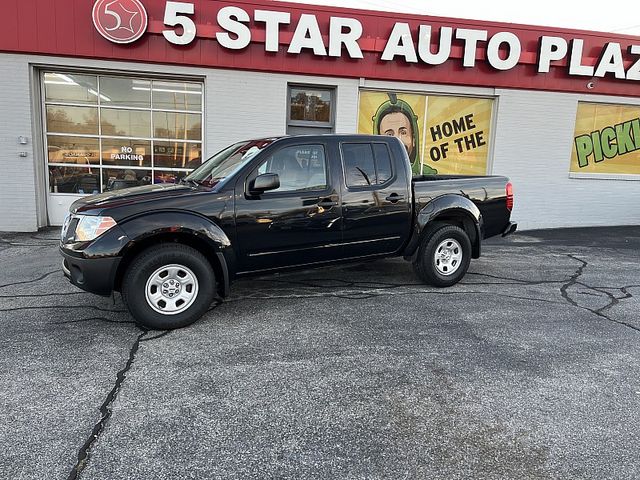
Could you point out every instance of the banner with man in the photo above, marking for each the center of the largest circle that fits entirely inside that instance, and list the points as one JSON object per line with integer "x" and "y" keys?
{"x": 442, "y": 134}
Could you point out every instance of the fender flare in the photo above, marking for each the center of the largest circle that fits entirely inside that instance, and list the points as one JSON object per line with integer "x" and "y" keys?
{"x": 449, "y": 205}
{"x": 147, "y": 228}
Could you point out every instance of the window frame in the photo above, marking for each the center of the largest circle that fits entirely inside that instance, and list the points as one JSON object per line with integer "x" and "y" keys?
{"x": 376, "y": 186}
{"x": 311, "y": 123}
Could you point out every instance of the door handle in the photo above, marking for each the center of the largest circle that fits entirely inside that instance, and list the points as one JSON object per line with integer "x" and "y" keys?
{"x": 394, "y": 198}
{"x": 327, "y": 203}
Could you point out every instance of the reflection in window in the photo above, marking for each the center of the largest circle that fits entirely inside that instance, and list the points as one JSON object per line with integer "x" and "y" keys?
{"x": 74, "y": 120}
{"x": 106, "y": 123}
{"x": 117, "y": 179}
{"x": 71, "y": 179}
{"x": 78, "y": 150}
{"x": 300, "y": 167}
{"x": 362, "y": 168}
{"x": 71, "y": 88}
{"x": 168, "y": 177}
{"x": 359, "y": 167}
{"x": 125, "y": 92}
{"x": 125, "y": 123}
{"x": 130, "y": 153}
{"x": 186, "y": 126}
{"x": 177, "y": 154}
{"x": 177, "y": 96}
{"x": 310, "y": 105}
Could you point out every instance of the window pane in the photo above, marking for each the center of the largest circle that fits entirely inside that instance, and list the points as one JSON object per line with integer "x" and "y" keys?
{"x": 165, "y": 176}
{"x": 186, "y": 126}
{"x": 83, "y": 120}
{"x": 177, "y": 96}
{"x": 125, "y": 123}
{"x": 74, "y": 180}
{"x": 117, "y": 179}
{"x": 70, "y": 88}
{"x": 79, "y": 150}
{"x": 125, "y": 92}
{"x": 126, "y": 153}
{"x": 358, "y": 164}
{"x": 177, "y": 154}
{"x": 310, "y": 105}
{"x": 300, "y": 167}
{"x": 383, "y": 162}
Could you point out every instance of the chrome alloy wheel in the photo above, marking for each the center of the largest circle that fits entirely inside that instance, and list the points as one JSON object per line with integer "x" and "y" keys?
{"x": 448, "y": 257}
{"x": 171, "y": 289}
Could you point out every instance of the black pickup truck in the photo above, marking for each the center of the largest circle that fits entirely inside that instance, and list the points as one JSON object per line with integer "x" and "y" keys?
{"x": 274, "y": 203}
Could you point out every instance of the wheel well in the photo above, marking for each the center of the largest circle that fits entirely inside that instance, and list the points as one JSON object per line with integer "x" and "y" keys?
{"x": 466, "y": 222}
{"x": 171, "y": 237}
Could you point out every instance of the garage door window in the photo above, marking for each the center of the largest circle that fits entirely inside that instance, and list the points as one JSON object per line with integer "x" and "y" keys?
{"x": 108, "y": 132}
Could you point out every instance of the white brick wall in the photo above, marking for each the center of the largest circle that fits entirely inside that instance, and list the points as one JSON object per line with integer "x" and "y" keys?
{"x": 17, "y": 175}
{"x": 533, "y": 141}
{"x": 532, "y": 138}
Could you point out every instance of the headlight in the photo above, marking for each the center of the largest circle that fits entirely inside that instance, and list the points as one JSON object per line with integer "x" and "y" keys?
{"x": 90, "y": 227}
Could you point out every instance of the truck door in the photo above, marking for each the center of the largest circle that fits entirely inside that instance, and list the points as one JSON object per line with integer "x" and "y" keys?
{"x": 376, "y": 205}
{"x": 296, "y": 224}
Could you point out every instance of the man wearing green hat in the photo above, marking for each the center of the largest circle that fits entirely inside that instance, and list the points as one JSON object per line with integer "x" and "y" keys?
{"x": 396, "y": 118}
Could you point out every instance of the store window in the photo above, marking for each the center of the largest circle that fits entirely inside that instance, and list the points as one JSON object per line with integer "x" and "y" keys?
{"x": 606, "y": 142}
{"x": 109, "y": 132}
{"x": 311, "y": 110}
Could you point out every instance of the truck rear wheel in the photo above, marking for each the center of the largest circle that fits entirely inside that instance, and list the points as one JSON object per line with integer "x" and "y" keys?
{"x": 444, "y": 256}
{"x": 168, "y": 286}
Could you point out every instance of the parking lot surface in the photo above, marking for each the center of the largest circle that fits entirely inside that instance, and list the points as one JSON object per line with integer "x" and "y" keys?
{"x": 530, "y": 368}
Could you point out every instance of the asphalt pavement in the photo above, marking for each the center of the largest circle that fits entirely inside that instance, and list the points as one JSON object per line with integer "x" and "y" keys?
{"x": 530, "y": 368}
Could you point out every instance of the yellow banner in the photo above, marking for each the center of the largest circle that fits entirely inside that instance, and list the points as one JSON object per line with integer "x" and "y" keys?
{"x": 442, "y": 134}
{"x": 606, "y": 139}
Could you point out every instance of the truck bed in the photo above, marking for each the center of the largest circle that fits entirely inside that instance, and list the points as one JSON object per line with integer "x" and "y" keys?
{"x": 487, "y": 192}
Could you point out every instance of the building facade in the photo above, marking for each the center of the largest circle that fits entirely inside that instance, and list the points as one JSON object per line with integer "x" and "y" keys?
{"x": 97, "y": 96}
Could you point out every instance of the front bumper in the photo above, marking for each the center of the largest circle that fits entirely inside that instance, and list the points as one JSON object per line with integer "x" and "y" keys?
{"x": 94, "y": 275}
{"x": 511, "y": 227}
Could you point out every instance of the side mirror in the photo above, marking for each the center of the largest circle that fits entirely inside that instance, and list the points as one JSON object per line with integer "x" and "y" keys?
{"x": 264, "y": 183}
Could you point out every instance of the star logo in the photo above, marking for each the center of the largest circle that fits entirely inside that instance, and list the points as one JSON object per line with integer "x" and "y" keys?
{"x": 120, "y": 21}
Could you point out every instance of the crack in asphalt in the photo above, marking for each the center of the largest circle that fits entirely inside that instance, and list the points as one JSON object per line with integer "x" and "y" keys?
{"x": 613, "y": 300}
{"x": 92, "y": 319}
{"x": 55, "y": 294}
{"x": 105, "y": 412}
{"x": 24, "y": 282}
{"x": 163, "y": 334}
{"x": 106, "y": 409}
{"x": 366, "y": 294}
{"x": 48, "y": 307}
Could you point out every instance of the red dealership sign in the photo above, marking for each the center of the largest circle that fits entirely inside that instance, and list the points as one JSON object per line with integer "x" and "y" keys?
{"x": 303, "y": 39}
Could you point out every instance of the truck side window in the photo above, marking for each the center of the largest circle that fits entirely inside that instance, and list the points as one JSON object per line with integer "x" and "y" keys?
{"x": 300, "y": 167}
{"x": 366, "y": 164}
{"x": 383, "y": 162}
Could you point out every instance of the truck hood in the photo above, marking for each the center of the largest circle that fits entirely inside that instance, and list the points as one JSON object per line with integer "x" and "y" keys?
{"x": 120, "y": 198}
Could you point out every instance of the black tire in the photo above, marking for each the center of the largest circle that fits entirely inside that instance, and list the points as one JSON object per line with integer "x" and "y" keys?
{"x": 428, "y": 264}
{"x": 172, "y": 256}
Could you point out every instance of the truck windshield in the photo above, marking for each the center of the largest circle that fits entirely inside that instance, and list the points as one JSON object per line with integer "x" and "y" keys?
{"x": 226, "y": 162}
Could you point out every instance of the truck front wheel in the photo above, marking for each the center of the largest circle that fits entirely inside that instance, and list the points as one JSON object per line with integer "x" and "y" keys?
{"x": 444, "y": 256}
{"x": 168, "y": 286}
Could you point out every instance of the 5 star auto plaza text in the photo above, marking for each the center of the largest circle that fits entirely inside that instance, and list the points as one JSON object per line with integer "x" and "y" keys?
{"x": 99, "y": 96}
